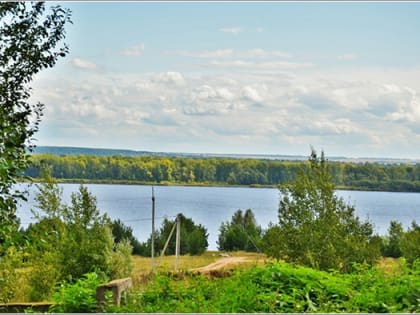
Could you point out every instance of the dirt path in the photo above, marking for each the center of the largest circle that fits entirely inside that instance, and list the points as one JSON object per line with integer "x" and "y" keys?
{"x": 221, "y": 263}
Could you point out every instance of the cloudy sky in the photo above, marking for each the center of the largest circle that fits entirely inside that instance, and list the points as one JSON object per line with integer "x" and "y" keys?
{"x": 238, "y": 77}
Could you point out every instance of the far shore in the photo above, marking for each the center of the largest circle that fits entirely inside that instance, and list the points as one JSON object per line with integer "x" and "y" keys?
{"x": 189, "y": 184}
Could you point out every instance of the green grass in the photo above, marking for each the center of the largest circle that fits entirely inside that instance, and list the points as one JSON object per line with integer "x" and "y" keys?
{"x": 259, "y": 286}
{"x": 280, "y": 287}
{"x": 142, "y": 265}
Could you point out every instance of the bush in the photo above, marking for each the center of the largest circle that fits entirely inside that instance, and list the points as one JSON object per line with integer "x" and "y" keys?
{"x": 281, "y": 288}
{"x": 121, "y": 264}
{"x": 78, "y": 297}
{"x": 44, "y": 276}
{"x": 9, "y": 262}
{"x": 410, "y": 241}
{"x": 69, "y": 241}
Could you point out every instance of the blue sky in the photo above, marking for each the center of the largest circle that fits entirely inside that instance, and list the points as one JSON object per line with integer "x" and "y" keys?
{"x": 238, "y": 77}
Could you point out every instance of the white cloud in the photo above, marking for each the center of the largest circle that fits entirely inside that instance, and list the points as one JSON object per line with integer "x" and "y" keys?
{"x": 407, "y": 105}
{"x": 267, "y": 65}
{"x": 230, "y": 53}
{"x": 235, "y": 110}
{"x": 220, "y": 53}
{"x": 208, "y": 100}
{"x": 348, "y": 57}
{"x": 231, "y": 30}
{"x": 136, "y": 50}
{"x": 251, "y": 93}
{"x": 261, "y": 53}
{"x": 169, "y": 77}
{"x": 83, "y": 64}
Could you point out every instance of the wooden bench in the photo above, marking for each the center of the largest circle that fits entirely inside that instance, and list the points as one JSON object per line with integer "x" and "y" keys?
{"x": 117, "y": 287}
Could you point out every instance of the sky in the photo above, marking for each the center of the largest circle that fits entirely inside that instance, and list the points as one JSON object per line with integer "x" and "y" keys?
{"x": 237, "y": 77}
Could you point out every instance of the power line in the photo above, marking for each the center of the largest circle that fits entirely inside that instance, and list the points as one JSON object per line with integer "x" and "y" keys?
{"x": 148, "y": 219}
{"x": 130, "y": 220}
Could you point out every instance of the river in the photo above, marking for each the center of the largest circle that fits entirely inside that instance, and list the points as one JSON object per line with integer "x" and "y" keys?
{"x": 210, "y": 206}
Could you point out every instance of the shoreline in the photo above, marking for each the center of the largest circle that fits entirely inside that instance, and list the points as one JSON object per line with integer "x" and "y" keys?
{"x": 186, "y": 184}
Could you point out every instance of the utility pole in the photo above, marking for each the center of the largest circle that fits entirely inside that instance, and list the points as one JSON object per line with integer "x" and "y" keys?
{"x": 153, "y": 229}
{"x": 178, "y": 240}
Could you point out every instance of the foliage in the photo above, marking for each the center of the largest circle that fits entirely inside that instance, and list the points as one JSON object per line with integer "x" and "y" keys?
{"x": 193, "y": 237}
{"x": 241, "y": 233}
{"x": 69, "y": 241}
{"x": 29, "y": 43}
{"x": 121, "y": 262}
{"x": 9, "y": 262}
{"x": 400, "y": 243}
{"x": 78, "y": 297}
{"x": 316, "y": 228}
{"x": 271, "y": 245}
{"x": 121, "y": 232}
{"x": 78, "y": 233}
{"x": 220, "y": 171}
{"x": 280, "y": 288}
{"x": 392, "y": 243}
{"x": 410, "y": 241}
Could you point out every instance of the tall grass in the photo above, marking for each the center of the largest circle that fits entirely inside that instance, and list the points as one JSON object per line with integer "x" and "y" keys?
{"x": 142, "y": 265}
{"x": 282, "y": 288}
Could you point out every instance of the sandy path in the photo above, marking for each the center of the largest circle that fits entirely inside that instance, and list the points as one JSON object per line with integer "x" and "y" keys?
{"x": 221, "y": 263}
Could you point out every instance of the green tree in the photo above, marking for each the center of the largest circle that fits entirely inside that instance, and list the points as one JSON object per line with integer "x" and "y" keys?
{"x": 271, "y": 244}
{"x": 392, "y": 246}
{"x": 410, "y": 241}
{"x": 29, "y": 42}
{"x": 318, "y": 229}
{"x": 121, "y": 232}
{"x": 241, "y": 233}
{"x": 193, "y": 237}
{"x": 89, "y": 243}
{"x": 70, "y": 240}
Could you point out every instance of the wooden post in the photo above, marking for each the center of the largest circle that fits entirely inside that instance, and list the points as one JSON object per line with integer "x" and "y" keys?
{"x": 153, "y": 230}
{"x": 166, "y": 244}
{"x": 178, "y": 241}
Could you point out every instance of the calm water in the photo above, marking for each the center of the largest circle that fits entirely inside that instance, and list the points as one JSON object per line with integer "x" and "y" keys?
{"x": 210, "y": 206}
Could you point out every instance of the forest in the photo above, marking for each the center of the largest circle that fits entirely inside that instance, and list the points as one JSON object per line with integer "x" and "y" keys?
{"x": 219, "y": 171}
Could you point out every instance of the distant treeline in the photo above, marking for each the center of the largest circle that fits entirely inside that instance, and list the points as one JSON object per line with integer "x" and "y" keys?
{"x": 220, "y": 171}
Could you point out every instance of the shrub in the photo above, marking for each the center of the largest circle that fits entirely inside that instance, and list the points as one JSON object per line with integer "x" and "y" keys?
{"x": 44, "y": 276}
{"x": 69, "y": 241}
{"x": 281, "y": 288}
{"x": 78, "y": 297}
{"x": 410, "y": 241}
{"x": 9, "y": 262}
{"x": 121, "y": 264}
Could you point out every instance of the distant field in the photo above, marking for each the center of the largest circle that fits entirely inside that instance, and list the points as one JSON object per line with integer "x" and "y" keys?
{"x": 142, "y": 265}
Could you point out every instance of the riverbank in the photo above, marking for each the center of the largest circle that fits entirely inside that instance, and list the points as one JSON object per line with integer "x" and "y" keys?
{"x": 195, "y": 184}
